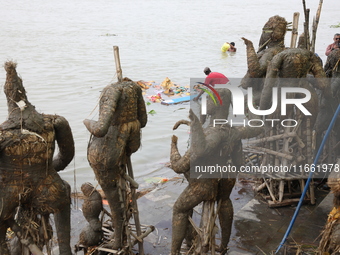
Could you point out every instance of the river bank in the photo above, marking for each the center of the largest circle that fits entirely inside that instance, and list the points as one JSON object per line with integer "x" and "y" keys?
{"x": 257, "y": 229}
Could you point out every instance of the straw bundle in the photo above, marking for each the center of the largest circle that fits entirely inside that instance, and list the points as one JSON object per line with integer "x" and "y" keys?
{"x": 330, "y": 241}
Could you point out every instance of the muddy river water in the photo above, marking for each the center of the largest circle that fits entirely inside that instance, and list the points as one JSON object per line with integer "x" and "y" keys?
{"x": 65, "y": 57}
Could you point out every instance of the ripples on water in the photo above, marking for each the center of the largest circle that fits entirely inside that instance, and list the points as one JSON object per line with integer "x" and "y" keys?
{"x": 64, "y": 54}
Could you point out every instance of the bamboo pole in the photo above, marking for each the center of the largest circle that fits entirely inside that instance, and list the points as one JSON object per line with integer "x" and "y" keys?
{"x": 270, "y": 189}
{"x": 260, "y": 187}
{"x": 289, "y": 184}
{"x": 118, "y": 66}
{"x": 204, "y": 225}
{"x": 275, "y": 153}
{"x": 296, "y": 129}
{"x": 213, "y": 243}
{"x": 263, "y": 45}
{"x": 128, "y": 178}
{"x": 128, "y": 233}
{"x": 197, "y": 245}
{"x": 108, "y": 250}
{"x": 272, "y": 138}
{"x": 295, "y": 29}
{"x": 286, "y": 142}
{"x": 315, "y": 26}
{"x": 281, "y": 190}
{"x": 285, "y": 149}
{"x": 44, "y": 225}
{"x": 309, "y": 158}
{"x": 135, "y": 207}
{"x": 300, "y": 142}
{"x": 302, "y": 184}
{"x": 277, "y": 146}
{"x": 271, "y": 146}
{"x": 306, "y": 25}
{"x": 309, "y": 141}
{"x": 336, "y": 66}
{"x": 145, "y": 234}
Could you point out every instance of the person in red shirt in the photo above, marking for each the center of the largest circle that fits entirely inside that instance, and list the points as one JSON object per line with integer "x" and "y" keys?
{"x": 212, "y": 79}
{"x": 334, "y": 45}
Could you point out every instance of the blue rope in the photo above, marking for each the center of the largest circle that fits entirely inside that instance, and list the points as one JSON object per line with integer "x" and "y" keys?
{"x": 309, "y": 179}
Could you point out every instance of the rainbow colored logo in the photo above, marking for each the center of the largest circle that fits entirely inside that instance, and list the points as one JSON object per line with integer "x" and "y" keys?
{"x": 209, "y": 93}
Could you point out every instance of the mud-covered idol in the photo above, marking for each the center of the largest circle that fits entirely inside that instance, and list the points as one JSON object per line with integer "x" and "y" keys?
{"x": 114, "y": 137}
{"x": 29, "y": 181}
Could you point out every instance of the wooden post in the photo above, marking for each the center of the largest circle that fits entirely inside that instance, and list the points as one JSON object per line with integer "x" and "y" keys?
{"x": 135, "y": 207}
{"x": 271, "y": 147}
{"x": 295, "y": 29}
{"x": 306, "y": 25}
{"x": 269, "y": 187}
{"x": 281, "y": 190}
{"x": 309, "y": 159}
{"x": 46, "y": 238}
{"x": 315, "y": 26}
{"x": 118, "y": 66}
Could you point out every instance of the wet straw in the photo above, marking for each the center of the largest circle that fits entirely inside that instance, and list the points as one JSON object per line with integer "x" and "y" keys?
{"x": 309, "y": 179}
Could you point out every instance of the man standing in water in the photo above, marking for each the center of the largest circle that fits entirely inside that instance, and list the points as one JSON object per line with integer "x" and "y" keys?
{"x": 228, "y": 47}
{"x": 232, "y": 47}
{"x": 114, "y": 137}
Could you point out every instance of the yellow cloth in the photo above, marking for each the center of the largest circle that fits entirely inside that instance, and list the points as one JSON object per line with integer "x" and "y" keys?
{"x": 225, "y": 47}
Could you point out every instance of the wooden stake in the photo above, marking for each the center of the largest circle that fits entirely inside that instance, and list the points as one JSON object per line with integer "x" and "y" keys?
{"x": 260, "y": 187}
{"x": 315, "y": 26}
{"x": 43, "y": 222}
{"x": 275, "y": 153}
{"x": 302, "y": 185}
{"x": 128, "y": 178}
{"x": 269, "y": 187}
{"x": 281, "y": 190}
{"x": 205, "y": 222}
{"x": 309, "y": 158}
{"x": 271, "y": 147}
{"x": 277, "y": 146}
{"x": 295, "y": 29}
{"x": 263, "y": 45}
{"x": 272, "y": 138}
{"x": 145, "y": 234}
{"x": 118, "y": 66}
{"x": 135, "y": 207}
{"x": 306, "y": 25}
